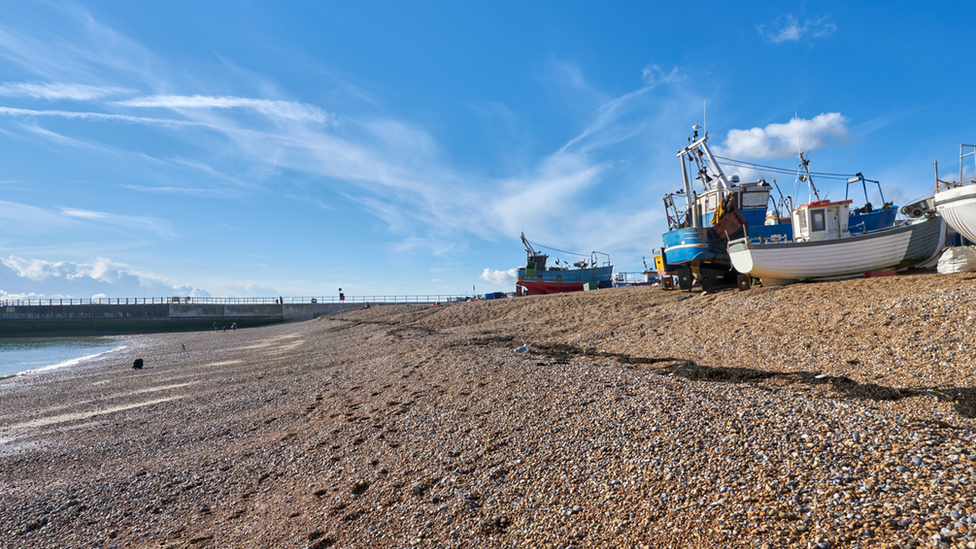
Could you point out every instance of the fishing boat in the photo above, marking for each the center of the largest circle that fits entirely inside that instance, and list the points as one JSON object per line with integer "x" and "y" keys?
{"x": 824, "y": 247}
{"x": 867, "y": 218}
{"x": 695, "y": 244}
{"x": 536, "y": 278}
{"x": 647, "y": 277}
{"x": 956, "y": 201}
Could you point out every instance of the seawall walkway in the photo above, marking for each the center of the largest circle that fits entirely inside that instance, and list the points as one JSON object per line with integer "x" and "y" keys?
{"x": 53, "y": 317}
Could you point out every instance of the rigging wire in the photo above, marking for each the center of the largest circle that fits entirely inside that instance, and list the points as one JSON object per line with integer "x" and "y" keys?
{"x": 556, "y": 249}
{"x": 744, "y": 164}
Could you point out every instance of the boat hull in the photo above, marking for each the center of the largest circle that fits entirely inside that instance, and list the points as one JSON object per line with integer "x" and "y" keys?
{"x": 899, "y": 248}
{"x": 958, "y": 206}
{"x": 693, "y": 247}
{"x": 573, "y": 280}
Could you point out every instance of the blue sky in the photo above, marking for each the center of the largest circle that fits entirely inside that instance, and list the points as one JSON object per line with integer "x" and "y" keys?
{"x": 290, "y": 148}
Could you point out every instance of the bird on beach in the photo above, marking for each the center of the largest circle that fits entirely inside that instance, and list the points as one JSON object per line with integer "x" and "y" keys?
{"x": 521, "y": 349}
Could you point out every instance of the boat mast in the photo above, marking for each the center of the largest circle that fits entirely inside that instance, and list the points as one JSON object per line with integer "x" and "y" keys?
{"x": 723, "y": 183}
{"x": 804, "y": 162}
{"x": 689, "y": 206}
{"x": 529, "y": 250}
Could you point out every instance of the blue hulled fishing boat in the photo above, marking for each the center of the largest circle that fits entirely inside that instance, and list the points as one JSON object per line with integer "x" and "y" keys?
{"x": 696, "y": 241}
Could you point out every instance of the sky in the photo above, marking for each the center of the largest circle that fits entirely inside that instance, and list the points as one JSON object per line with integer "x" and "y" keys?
{"x": 261, "y": 149}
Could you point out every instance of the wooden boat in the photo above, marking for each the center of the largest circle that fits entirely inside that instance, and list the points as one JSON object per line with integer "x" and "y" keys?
{"x": 956, "y": 201}
{"x": 535, "y": 278}
{"x": 823, "y": 246}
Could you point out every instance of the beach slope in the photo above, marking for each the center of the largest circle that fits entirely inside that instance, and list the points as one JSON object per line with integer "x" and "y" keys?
{"x": 838, "y": 413}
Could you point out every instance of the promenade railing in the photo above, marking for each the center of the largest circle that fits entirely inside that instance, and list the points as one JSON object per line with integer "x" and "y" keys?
{"x": 282, "y": 300}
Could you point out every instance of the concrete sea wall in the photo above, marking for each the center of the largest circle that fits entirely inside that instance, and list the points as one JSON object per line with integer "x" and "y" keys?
{"x": 100, "y": 319}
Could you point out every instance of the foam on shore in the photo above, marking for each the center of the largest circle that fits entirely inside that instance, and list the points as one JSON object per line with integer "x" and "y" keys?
{"x": 69, "y": 362}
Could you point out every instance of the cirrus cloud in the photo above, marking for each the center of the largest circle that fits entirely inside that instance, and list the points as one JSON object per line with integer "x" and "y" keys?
{"x": 791, "y": 30}
{"x": 287, "y": 110}
{"x": 54, "y": 90}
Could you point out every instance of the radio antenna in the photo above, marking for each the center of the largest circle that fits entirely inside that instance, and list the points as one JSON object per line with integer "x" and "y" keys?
{"x": 704, "y": 119}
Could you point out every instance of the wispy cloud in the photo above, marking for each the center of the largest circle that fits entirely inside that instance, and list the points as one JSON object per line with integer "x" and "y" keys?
{"x": 52, "y": 91}
{"x": 125, "y": 222}
{"x": 23, "y": 218}
{"x": 95, "y": 116}
{"x": 780, "y": 140}
{"x": 790, "y": 29}
{"x": 393, "y": 168}
{"x": 286, "y": 110}
{"x": 190, "y": 191}
{"x": 654, "y": 74}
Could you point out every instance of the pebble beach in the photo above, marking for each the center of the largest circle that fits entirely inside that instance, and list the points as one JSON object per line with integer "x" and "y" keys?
{"x": 835, "y": 414}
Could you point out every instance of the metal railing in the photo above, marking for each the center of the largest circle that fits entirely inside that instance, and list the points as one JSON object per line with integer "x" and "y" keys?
{"x": 430, "y": 298}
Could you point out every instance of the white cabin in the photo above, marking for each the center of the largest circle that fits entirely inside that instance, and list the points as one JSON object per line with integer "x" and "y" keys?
{"x": 823, "y": 220}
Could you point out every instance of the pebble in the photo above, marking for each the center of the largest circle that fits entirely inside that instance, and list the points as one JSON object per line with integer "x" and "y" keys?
{"x": 634, "y": 419}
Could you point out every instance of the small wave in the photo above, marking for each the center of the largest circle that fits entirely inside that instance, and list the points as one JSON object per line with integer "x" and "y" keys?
{"x": 72, "y": 361}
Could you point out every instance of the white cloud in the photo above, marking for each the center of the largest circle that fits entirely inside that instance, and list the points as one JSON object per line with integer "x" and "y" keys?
{"x": 21, "y": 278}
{"x": 394, "y": 169}
{"x": 84, "y": 214}
{"x": 96, "y": 116}
{"x": 288, "y": 110}
{"x": 791, "y": 30}
{"x": 654, "y": 74}
{"x": 780, "y": 140}
{"x": 52, "y": 91}
{"x": 500, "y": 278}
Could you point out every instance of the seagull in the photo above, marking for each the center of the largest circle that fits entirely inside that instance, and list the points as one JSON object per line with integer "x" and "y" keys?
{"x": 522, "y": 349}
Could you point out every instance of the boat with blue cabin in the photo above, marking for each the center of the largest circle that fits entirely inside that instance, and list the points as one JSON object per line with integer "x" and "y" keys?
{"x": 867, "y": 218}
{"x": 695, "y": 244}
{"x": 825, "y": 247}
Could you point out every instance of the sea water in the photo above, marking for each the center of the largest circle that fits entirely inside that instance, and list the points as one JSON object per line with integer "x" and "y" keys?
{"x": 28, "y": 355}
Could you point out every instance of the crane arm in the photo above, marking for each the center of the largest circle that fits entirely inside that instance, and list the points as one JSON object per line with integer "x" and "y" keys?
{"x": 528, "y": 247}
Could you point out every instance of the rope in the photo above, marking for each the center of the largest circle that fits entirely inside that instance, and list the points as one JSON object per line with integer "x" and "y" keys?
{"x": 744, "y": 164}
{"x": 536, "y": 244}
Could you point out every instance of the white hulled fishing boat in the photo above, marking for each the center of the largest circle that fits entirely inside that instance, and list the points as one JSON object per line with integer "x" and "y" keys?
{"x": 823, "y": 247}
{"x": 956, "y": 202}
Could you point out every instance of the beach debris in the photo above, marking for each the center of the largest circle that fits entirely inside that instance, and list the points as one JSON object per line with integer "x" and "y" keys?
{"x": 521, "y": 349}
{"x": 137, "y": 364}
{"x": 821, "y": 376}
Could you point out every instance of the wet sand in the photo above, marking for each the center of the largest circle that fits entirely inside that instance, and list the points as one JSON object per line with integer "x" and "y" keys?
{"x": 835, "y": 414}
